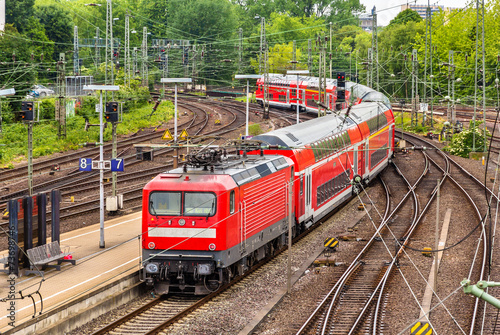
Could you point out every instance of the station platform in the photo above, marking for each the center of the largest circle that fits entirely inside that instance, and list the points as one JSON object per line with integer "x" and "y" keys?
{"x": 95, "y": 268}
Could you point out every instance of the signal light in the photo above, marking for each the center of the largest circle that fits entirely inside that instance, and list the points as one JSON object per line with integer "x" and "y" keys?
{"x": 111, "y": 114}
{"x": 340, "y": 79}
{"x": 27, "y": 113}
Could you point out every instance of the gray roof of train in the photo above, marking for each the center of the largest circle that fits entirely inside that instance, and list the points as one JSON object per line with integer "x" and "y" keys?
{"x": 316, "y": 129}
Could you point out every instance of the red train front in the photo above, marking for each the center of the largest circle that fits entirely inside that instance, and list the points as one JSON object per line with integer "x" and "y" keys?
{"x": 204, "y": 223}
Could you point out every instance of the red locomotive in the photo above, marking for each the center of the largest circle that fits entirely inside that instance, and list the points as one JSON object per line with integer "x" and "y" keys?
{"x": 210, "y": 220}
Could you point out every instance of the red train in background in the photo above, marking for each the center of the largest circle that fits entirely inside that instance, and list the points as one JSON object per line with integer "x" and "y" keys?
{"x": 283, "y": 93}
{"x": 213, "y": 218}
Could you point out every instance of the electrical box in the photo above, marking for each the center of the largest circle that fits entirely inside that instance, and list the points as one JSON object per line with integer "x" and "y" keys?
{"x": 111, "y": 204}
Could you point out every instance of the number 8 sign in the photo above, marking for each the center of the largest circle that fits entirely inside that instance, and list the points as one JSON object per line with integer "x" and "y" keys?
{"x": 85, "y": 164}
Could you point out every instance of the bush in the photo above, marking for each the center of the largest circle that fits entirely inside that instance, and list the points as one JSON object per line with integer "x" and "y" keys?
{"x": 462, "y": 143}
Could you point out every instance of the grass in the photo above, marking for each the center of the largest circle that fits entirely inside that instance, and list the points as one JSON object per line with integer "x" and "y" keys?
{"x": 14, "y": 142}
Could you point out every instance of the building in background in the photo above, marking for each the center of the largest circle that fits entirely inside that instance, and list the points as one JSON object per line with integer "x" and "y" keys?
{"x": 366, "y": 22}
{"x": 422, "y": 9}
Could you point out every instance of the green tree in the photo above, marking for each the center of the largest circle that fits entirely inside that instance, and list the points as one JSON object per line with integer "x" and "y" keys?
{"x": 58, "y": 26}
{"x": 18, "y": 13}
{"x": 408, "y": 15}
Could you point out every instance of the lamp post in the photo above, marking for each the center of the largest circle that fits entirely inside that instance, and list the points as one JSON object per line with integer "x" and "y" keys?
{"x": 101, "y": 153}
{"x": 297, "y": 72}
{"x": 247, "y": 77}
{"x": 176, "y": 81}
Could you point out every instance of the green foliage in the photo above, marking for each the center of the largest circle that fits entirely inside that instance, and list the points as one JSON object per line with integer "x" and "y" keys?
{"x": 18, "y": 13}
{"x": 58, "y": 26}
{"x": 45, "y": 139}
{"x": 255, "y": 129}
{"x": 463, "y": 143}
{"x": 408, "y": 15}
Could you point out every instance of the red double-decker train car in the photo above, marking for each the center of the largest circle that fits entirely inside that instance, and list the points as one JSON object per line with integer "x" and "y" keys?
{"x": 210, "y": 220}
{"x": 283, "y": 93}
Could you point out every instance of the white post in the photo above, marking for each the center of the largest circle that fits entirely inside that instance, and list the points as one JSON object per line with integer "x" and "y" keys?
{"x": 297, "y": 97}
{"x": 101, "y": 174}
{"x": 175, "y": 115}
{"x": 248, "y": 106}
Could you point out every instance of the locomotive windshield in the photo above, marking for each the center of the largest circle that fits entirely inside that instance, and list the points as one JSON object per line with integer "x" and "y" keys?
{"x": 171, "y": 203}
{"x": 165, "y": 203}
{"x": 199, "y": 204}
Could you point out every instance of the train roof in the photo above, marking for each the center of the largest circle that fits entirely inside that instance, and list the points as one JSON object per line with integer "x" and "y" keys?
{"x": 241, "y": 169}
{"x": 317, "y": 129}
{"x": 310, "y": 81}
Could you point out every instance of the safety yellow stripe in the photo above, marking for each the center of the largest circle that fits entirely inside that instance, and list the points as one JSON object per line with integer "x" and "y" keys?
{"x": 415, "y": 327}
{"x": 423, "y": 329}
{"x": 380, "y": 131}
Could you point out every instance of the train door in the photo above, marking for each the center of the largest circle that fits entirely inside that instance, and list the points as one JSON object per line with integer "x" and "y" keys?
{"x": 308, "y": 194}
{"x": 301, "y": 204}
{"x": 288, "y": 97}
{"x": 361, "y": 159}
{"x": 243, "y": 227}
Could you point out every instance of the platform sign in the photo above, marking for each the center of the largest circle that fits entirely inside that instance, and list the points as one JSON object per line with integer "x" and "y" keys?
{"x": 421, "y": 328}
{"x": 117, "y": 165}
{"x": 85, "y": 164}
{"x": 167, "y": 135}
{"x": 184, "y": 135}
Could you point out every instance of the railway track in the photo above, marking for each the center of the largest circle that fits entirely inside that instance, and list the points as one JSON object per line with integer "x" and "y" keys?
{"x": 356, "y": 303}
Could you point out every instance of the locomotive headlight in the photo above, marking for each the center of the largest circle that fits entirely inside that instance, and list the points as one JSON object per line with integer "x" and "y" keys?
{"x": 151, "y": 245}
{"x": 182, "y": 222}
{"x": 152, "y": 268}
{"x": 211, "y": 247}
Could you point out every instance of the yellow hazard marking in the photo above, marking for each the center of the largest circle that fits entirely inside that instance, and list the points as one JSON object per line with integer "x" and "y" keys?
{"x": 184, "y": 135}
{"x": 331, "y": 242}
{"x": 217, "y": 121}
{"x": 421, "y": 328}
{"x": 167, "y": 135}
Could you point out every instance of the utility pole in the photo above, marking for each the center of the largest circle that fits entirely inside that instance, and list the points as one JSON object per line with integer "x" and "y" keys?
{"x": 320, "y": 68}
{"x": 97, "y": 49}
{"x": 374, "y": 60}
{"x": 369, "y": 78}
{"x": 144, "y": 71}
{"x": 414, "y": 88}
{"x": 76, "y": 58}
{"x": 331, "y": 50}
{"x": 60, "y": 103}
{"x": 240, "y": 49}
{"x": 194, "y": 67}
{"x": 108, "y": 78}
{"x": 262, "y": 43}
{"x": 309, "y": 56}
{"x": 127, "y": 50}
{"x": 479, "y": 28}
{"x": 264, "y": 66}
{"x": 427, "y": 20}
{"x": 432, "y": 76}
{"x": 451, "y": 88}
{"x": 134, "y": 65}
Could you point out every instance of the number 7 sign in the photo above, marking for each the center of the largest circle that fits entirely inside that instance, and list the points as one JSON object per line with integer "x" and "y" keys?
{"x": 117, "y": 164}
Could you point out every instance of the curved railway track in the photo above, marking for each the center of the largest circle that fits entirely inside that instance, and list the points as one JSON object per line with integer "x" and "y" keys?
{"x": 356, "y": 303}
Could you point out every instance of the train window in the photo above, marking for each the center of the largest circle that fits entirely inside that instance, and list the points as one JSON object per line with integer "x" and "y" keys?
{"x": 165, "y": 203}
{"x": 199, "y": 204}
{"x": 231, "y": 202}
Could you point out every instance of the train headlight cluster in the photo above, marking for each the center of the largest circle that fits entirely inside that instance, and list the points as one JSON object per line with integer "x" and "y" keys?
{"x": 151, "y": 245}
{"x": 211, "y": 247}
{"x": 152, "y": 268}
{"x": 182, "y": 222}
